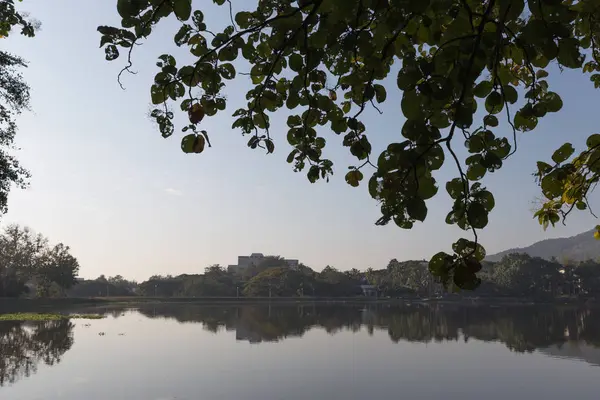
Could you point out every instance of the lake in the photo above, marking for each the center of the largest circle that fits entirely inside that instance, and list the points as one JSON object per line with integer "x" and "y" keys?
{"x": 192, "y": 352}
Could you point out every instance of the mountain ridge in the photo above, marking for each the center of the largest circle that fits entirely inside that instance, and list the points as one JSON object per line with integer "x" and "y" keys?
{"x": 580, "y": 247}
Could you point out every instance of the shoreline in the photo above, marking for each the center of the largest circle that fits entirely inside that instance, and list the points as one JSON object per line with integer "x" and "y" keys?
{"x": 12, "y": 303}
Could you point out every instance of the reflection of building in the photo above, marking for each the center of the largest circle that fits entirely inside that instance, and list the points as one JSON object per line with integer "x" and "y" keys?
{"x": 369, "y": 290}
{"x": 256, "y": 259}
{"x": 243, "y": 333}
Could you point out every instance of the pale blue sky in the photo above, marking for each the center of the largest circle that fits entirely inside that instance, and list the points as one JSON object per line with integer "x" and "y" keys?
{"x": 130, "y": 202}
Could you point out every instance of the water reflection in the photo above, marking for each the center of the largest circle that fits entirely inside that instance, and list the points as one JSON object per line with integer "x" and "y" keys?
{"x": 557, "y": 332}
{"x": 23, "y": 346}
{"x": 521, "y": 329}
{"x": 574, "y": 350}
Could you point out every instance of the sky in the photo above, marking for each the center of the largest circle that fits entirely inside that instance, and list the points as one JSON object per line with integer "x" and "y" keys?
{"x": 129, "y": 202}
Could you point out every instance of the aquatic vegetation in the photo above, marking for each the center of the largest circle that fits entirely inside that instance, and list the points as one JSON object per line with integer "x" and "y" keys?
{"x": 46, "y": 316}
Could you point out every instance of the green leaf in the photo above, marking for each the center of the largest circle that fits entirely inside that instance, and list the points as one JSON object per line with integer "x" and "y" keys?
{"x": 361, "y": 148}
{"x": 243, "y": 19}
{"x": 494, "y": 103}
{"x": 435, "y": 157}
{"x": 563, "y": 153}
{"x": 374, "y": 186}
{"x": 568, "y": 53}
{"x": 227, "y": 71}
{"x": 182, "y": 9}
{"x": 440, "y": 120}
{"x": 427, "y": 188}
{"x": 189, "y": 76}
{"x": 112, "y": 53}
{"x": 539, "y": 110}
{"x": 105, "y": 39}
{"x": 339, "y": 125}
{"x": 417, "y": 209}
{"x": 455, "y": 188}
{"x": 408, "y": 78}
{"x": 472, "y": 265}
{"x": 414, "y": 129}
{"x": 270, "y": 146}
{"x": 354, "y": 177}
{"x": 525, "y": 123}
{"x": 126, "y": 8}
{"x": 198, "y": 20}
{"x": 403, "y": 223}
{"x": 553, "y": 102}
{"x": 468, "y": 249}
{"x": 476, "y": 171}
{"x": 187, "y": 143}
{"x": 261, "y": 120}
{"x": 551, "y": 187}
{"x": 593, "y": 141}
{"x": 483, "y": 89}
{"x": 464, "y": 117}
{"x": 540, "y": 73}
{"x": 476, "y": 144}
{"x": 292, "y": 156}
{"x": 292, "y": 101}
{"x": 411, "y": 105}
{"x": 346, "y": 105}
{"x": 193, "y": 143}
{"x": 295, "y": 62}
{"x": 597, "y": 233}
{"x": 440, "y": 263}
{"x": 543, "y": 167}
{"x": 486, "y": 199}
{"x": 380, "y": 93}
{"x": 510, "y": 94}
{"x": 294, "y": 120}
{"x": 183, "y": 35}
{"x": 466, "y": 280}
{"x": 158, "y": 94}
{"x": 490, "y": 120}
{"x": 491, "y": 161}
{"x": 477, "y": 216}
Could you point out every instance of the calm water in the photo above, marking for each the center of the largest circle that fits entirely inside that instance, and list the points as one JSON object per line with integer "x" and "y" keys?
{"x": 305, "y": 352}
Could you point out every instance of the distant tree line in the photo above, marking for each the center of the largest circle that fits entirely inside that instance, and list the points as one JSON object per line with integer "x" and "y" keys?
{"x": 29, "y": 265}
{"x": 102, "y": 286}
{"x": 516, "y": 275}
{"x": 267, "y": 279}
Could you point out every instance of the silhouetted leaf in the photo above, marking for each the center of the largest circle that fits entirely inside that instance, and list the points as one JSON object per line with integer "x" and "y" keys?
{"x": 563, "y": 153}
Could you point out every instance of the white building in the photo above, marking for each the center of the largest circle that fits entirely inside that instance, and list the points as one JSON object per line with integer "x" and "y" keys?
{"x": 256, "y": 259}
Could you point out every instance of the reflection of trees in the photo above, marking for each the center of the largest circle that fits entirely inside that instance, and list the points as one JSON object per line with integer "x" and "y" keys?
{"x": 24, "y": 345}
{"x": 521, "y": 329}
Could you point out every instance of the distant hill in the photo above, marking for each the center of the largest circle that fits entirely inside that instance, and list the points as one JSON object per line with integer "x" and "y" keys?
{"x": 576, "y": 248}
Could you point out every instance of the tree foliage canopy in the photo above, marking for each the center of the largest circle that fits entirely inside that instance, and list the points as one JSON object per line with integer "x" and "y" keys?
{"x": 471, "y": 72}
{"x": 27, "y": 258}
{"x": 14, "y": 98}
